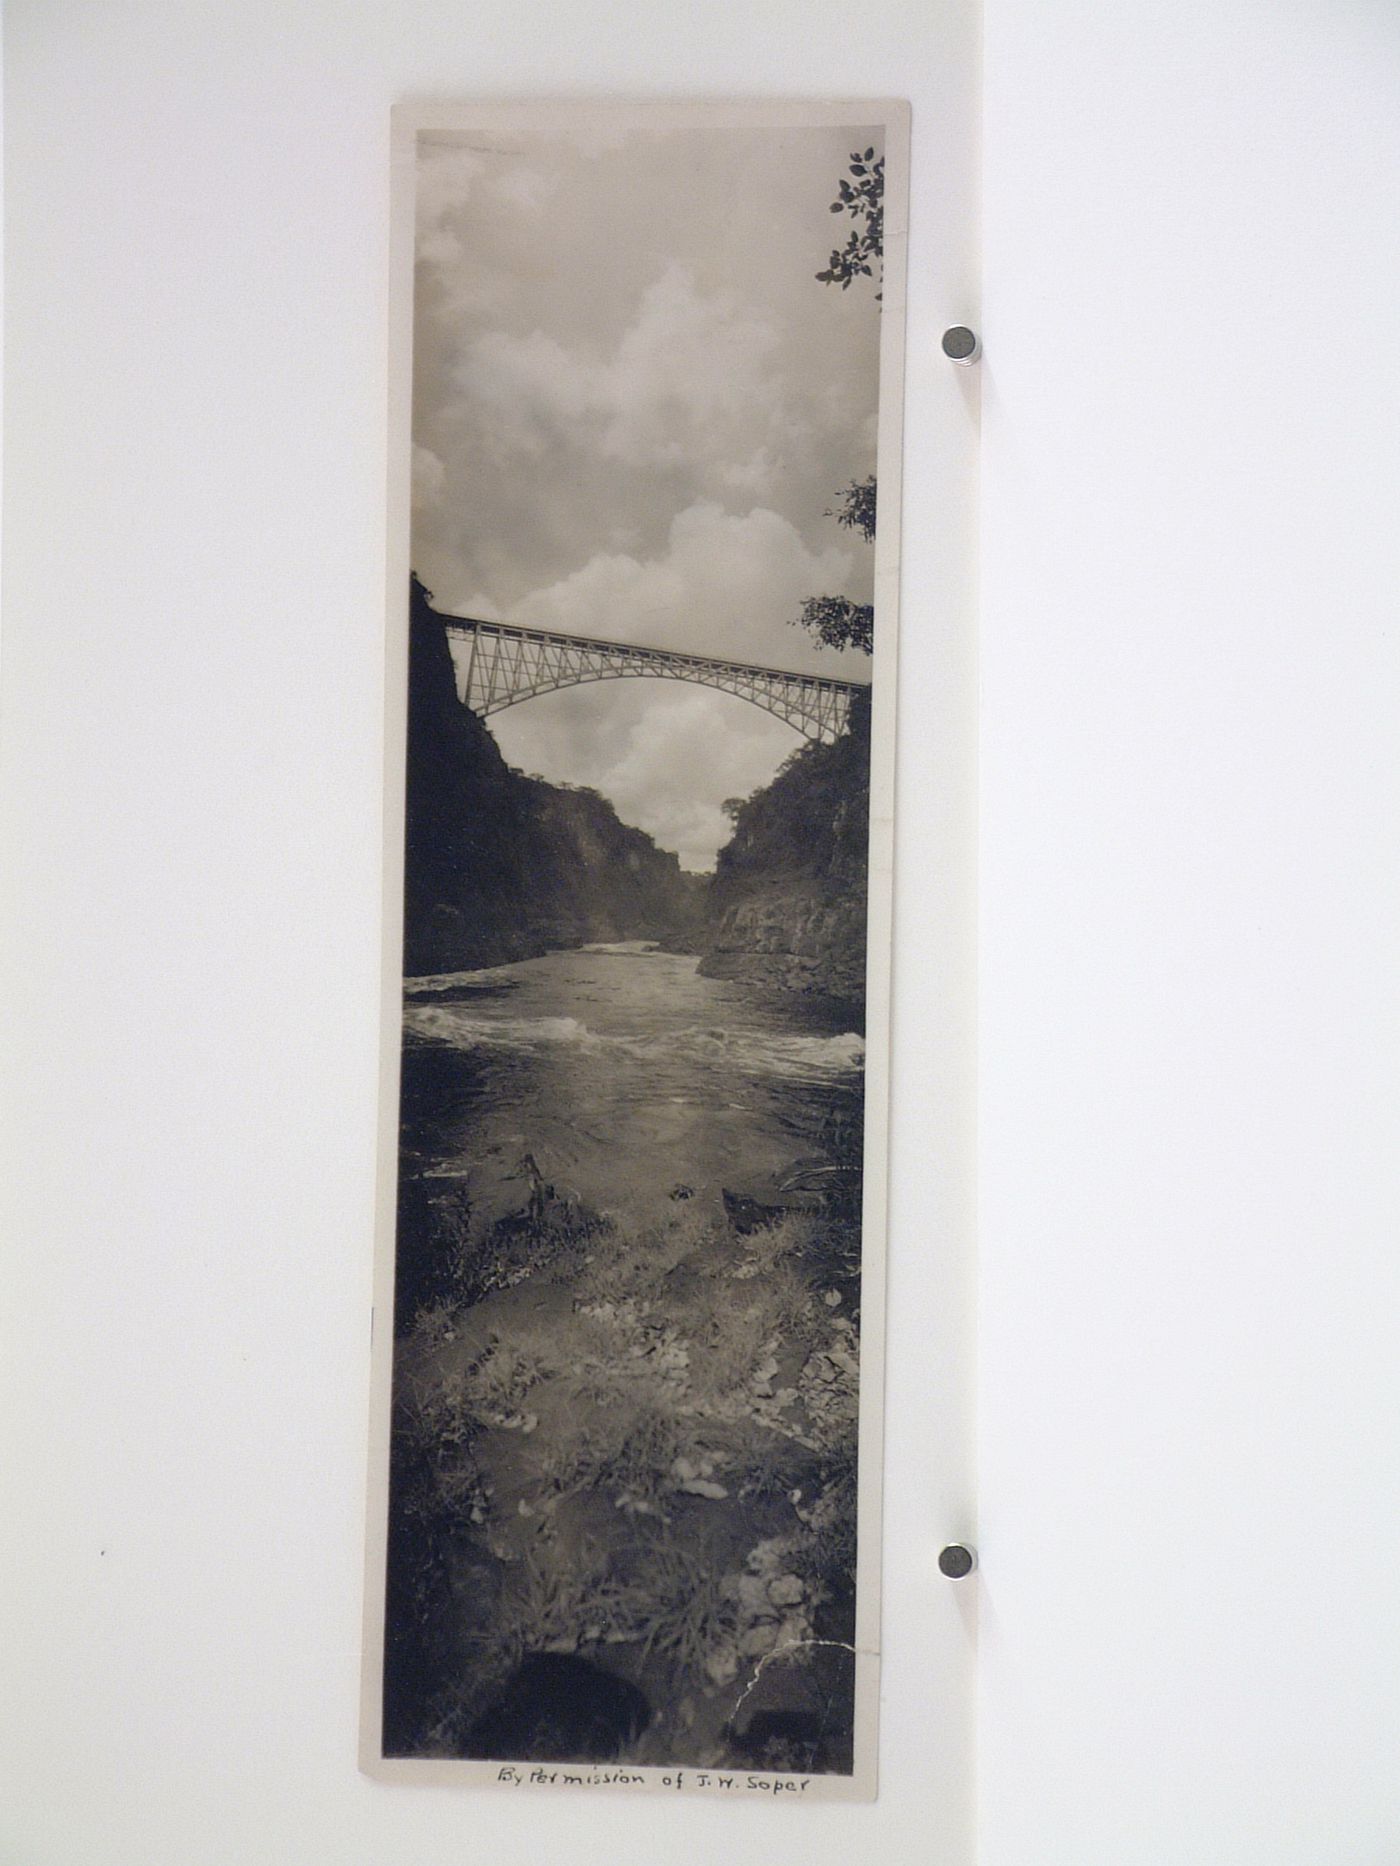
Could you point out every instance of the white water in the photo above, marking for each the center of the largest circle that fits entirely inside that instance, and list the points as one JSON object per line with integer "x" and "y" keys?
{"x": 624, "y": 1073}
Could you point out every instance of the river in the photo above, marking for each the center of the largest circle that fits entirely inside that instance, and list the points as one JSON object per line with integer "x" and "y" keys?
{"x": 625, "y": 1447}
{"x": 626, "y": 1076}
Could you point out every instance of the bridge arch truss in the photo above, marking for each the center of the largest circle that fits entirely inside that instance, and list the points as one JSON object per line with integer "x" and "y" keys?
{"x": 506, "y": 666}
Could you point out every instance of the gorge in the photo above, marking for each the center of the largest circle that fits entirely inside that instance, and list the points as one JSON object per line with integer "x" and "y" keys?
{"x": 499, "y": 866}
{"x": 627, "y": 1271}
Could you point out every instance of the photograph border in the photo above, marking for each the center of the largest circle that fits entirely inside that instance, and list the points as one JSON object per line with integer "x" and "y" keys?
{"x": 409, "y": 120}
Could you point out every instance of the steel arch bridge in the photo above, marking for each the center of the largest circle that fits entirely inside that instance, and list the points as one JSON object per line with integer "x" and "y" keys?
{"x": 507, "y": 665}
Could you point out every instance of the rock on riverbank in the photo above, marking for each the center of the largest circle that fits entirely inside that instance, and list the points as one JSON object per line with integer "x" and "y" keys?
{"x": 792, "y": 943}
{"x": 787, "y": 906}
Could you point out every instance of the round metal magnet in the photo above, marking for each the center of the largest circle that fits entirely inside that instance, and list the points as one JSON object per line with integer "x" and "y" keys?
{"x": 961, "y": 345}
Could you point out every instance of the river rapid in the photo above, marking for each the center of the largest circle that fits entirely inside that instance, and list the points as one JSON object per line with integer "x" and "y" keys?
{"x": 625, "y": 1077}
{"x": 624, "y": 1459}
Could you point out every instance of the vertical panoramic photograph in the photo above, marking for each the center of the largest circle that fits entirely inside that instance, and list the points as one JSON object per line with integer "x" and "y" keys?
{"x": 631, "y": 1213}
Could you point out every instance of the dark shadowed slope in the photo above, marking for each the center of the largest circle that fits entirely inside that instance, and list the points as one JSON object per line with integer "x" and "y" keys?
{"x": 787, "y": 905}
{"x": 499, "y": 866}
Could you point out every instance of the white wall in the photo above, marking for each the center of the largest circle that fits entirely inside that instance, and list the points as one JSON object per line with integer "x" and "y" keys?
{"x": 1190, "y": 1042}
{"x": 193, "y": 639}
{"x": 1190, "y": 1479}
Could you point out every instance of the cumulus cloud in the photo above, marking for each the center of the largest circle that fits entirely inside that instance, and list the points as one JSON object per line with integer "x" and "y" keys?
{"x": 719, "y": 587}
{"x": 694, "y": 372}
{"x": 634, "y": 408}
{"x": 429, "y": 478}
{"x": 667, "y": 755}
{"x": 447, "y": 174}
{"x": 691, "y": 382}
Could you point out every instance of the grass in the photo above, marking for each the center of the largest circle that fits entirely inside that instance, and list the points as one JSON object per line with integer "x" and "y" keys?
{"x": 669, "y": 1606}
{"x": 679, "y": 1611}
{"x": 678, "y": 1352}
{"x": 772, "y": 1465}
{"x": 827, "y": 1551}
{"x": 434, "y": 1413}
{"x": 504, "y": 1375}
{"x": 670, "y": 1610}
{"x": 730, "y": 1348}
{"x": 635, "y": 1265}
{"x": 628, "y": 1445}
{"x": 746, "y": 1326}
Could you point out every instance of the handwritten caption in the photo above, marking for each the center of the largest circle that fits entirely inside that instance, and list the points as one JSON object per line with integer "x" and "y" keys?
{"x": 673, "y": 1778}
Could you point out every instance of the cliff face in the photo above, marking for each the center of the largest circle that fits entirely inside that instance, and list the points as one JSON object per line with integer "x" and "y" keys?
{"x": 787, "y": 904}
{"x": 498, "y": 866}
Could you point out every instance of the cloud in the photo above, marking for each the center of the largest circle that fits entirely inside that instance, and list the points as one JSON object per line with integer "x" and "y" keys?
{"x": 690, "y": 382}
{"x": 429, "y": 478}
{"x": 526, "y": 189}
{"x": 635, "y": 407}
{"x": 720, "y": 586}
{"x": 447, "y": 174}
{"x": 553, "y": 439}
{"x": 525, "y": 394}
{"x": 460, "y": 189}
{"x": 693, "y": 375}
{"x": 668, "y": 755}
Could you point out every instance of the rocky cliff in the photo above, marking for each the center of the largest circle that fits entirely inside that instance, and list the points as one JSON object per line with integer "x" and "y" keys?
{"x": 499, "y": 866}
{"x": 787, "y": 905}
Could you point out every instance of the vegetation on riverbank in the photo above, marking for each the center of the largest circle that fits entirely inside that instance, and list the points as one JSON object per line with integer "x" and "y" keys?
{"x": 787, "y": 905}
{"x": 636, "y": 1446}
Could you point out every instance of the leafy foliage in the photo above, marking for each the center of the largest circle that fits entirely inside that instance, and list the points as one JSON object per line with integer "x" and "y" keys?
{"x": 690, "y": 1439}
{"x": 837, "y": 622}
{"x": 863, "y": 199}
{"x": 857, "y": 508}
{"x": 808, "y": 827}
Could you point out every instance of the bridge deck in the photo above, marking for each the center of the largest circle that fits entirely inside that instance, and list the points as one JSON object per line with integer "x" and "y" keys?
{"x": 508, "y": 665}
{"x": 506, "y": 631}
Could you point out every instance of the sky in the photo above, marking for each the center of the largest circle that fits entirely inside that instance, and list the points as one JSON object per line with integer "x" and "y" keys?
{"x": 634, "y": 406}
